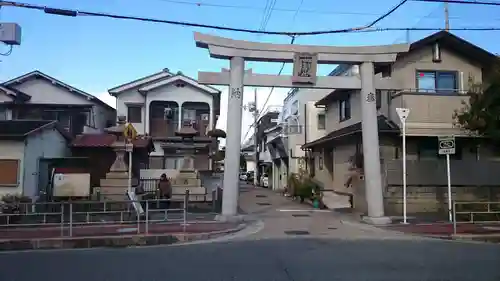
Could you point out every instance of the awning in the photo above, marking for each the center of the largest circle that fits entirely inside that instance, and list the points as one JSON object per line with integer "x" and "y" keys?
{"x": 384, "y": 126}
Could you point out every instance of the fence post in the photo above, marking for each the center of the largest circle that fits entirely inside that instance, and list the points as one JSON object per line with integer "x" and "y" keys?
{"x": 186, "y": 201}
{"x": 62, "y": 219}
{"x": 138, "y": 216}
{"x": 146, "y": 226}
{"x": 70, "y": 219}
{"x": 454, "y": 218}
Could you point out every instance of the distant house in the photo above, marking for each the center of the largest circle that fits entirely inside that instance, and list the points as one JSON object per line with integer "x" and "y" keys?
{"x": 38, "y": 96}
{"x": 164, "y": 105}
{"x": 23, "y": 145}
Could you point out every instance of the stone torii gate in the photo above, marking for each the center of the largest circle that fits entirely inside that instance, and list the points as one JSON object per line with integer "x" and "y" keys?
{"x": 305, "y": 59}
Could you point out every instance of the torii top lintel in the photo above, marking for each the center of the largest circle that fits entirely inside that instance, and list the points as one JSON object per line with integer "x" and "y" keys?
{"x": 225, "y": 48}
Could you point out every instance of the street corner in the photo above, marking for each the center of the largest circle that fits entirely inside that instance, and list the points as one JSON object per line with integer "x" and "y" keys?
{"x": 113, "y": 238}
{"x": 466, "y": 232}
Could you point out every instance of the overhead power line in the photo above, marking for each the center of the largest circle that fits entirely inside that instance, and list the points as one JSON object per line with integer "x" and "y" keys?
{"x": 75, "y": 13}
{"x": 277, "y": 9}
{"x": 367, "y": 28}
{"x": 487, "y": 3}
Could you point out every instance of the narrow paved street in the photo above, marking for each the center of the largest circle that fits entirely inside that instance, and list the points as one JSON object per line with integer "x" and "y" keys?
{"x": 332, "y": 250}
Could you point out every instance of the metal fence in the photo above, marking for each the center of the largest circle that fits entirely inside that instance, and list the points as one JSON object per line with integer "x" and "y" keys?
{"x": 66, "y": 217}
{"x": 475, "y": 212}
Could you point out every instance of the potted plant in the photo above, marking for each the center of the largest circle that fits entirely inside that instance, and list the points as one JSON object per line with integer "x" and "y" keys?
{"x": 14, "y": 205}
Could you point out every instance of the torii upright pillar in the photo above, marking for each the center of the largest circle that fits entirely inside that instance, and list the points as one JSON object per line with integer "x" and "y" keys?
{"x": 233, "y": 140}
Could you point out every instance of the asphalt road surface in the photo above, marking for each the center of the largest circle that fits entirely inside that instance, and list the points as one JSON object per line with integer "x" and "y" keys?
{"x": 294, "y": 259}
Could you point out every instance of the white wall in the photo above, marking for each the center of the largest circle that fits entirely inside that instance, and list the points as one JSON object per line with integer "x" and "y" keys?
{"x": 13, "y": 150}
{"x": 45, "y": 92}
{"x": 166, "y": 93}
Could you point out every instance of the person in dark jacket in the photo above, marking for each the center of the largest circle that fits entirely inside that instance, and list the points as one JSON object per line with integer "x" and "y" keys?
{"x": 165, "y": 191}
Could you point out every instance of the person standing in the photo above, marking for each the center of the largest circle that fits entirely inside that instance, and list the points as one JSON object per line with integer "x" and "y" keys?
{"x": 165, "y": 190}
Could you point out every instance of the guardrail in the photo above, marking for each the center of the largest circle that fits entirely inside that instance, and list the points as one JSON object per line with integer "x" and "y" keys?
{"x": 68, "y": 215}
{"x": 475, "y": 212}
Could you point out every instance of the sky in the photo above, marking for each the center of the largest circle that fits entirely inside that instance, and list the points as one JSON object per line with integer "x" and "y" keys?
{"x": 96, "y": 54}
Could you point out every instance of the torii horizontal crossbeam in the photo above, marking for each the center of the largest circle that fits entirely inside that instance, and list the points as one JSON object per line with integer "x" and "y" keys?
{"x": 224, "y": 48}
{"x": 285, "y": 81}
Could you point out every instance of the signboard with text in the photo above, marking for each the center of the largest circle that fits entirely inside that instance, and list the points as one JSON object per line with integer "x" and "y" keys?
{"x": 446, "y": 145}
{"x": 305, "y": 66}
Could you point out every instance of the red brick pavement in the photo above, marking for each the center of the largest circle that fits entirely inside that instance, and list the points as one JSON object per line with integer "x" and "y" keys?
{"x": 24, "y": 233}
{"x": 445, "y": 229}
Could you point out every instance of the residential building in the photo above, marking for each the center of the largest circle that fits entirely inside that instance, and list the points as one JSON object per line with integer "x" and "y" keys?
{"x": 431, "y": 80}
{"x": 248, "y": 150}
{"x": 24, "y": 145}
{"x": 300, "y": 122}
{"x": 268, "y": 119}
{"x": 38, "y": 96}
{"x": 164, "y": 105}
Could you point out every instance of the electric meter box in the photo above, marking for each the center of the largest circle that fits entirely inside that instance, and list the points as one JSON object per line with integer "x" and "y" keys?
{"x": 10, "y": 33}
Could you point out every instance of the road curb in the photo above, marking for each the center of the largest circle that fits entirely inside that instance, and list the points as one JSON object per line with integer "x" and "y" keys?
{"x": 122, "y": 241}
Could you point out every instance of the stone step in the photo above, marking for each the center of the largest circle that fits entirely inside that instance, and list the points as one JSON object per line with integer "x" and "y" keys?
{"x": 114, "y": 182}
{"x": 192, "y": 190}
{"x": 185, "y": 181}
{"x": 117, "y": 175}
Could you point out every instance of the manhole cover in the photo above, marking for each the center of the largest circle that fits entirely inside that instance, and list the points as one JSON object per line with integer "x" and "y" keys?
{"x": 261, "y": 196}
{"x": 297, "y": 232}
{"x": 126, "y": 230}
{"x": 263, "y": 204}
{"x": 300, "y": 215}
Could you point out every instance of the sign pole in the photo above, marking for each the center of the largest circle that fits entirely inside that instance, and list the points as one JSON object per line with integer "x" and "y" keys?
{"x": 447, "y": 146}
{"x": 448, "y": 175}
{"x": 129, "y": 186}
{"x": 403, "y": 115}
{"x": 404, "y": 176}
{"x": 130, "y": 133}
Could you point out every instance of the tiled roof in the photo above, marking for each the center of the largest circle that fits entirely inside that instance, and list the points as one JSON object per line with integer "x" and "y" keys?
{"x": 384, "y": 126}
{"x": 106, "y": 140}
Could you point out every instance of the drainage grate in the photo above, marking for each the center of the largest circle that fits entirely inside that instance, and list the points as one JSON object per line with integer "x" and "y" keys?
{"x": 261, "y": 196}
{"x": 297, "y": 232}
{"x": 332, "y": 228}
{"x": 263, "y": 204}
{"x": 300, "y": 215}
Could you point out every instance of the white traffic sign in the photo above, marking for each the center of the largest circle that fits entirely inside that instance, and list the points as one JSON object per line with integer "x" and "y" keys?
{"x": 403, "y": 114}
{"x": 446, "y": 145}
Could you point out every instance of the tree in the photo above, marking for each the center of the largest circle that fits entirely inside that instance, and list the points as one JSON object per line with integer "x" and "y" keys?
{"x": 481, "y": 115}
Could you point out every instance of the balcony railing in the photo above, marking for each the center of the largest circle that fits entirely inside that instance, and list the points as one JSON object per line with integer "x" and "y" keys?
{"x": 161, "y": 128}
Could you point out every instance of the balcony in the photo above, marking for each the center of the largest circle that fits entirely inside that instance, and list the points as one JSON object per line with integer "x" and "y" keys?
{"x": 430, "y": 113}
{"x": 74, "y": 119}
{"x": 165, "y": 116}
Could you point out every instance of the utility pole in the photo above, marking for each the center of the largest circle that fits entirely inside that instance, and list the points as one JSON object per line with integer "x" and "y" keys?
{"x": 252, "y": 108}
{"x": 446, "y": 17}
{"x": 255, "y": 119}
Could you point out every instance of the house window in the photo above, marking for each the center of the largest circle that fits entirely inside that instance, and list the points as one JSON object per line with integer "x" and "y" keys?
{"x": 378, "y": 97}
{"x": 264, "y": 143}
{"x": 432, "y": 81}
{"x": 428, "y": 150}
{"x": 320, "y": 161}
{"x": 9, "y": 172}
{"x": 345, "y": 109}
{"x": 3, "y": 114}
{"x": 321, "y": 121}
{"x": 134, "y": 113}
